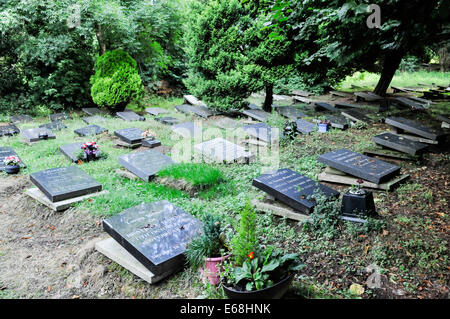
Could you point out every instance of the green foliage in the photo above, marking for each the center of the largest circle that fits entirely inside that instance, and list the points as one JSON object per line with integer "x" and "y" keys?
{"x": 246, "y": 240}
{"x": 116, "y": 80}
{"x": 196, "y": 174}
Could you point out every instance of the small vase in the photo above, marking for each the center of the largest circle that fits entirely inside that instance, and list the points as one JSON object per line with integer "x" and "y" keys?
{"x": 12, "y": 169}
{"x": 323, "y": 127}
{"x": 212, "y": 269}
{"x": 357, "y": 207}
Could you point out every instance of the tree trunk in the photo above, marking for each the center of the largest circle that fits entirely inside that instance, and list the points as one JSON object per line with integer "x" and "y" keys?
{"x": 391, "y": 63}
{"x": 267, "y": 106}
{"x": 101, "y": 44}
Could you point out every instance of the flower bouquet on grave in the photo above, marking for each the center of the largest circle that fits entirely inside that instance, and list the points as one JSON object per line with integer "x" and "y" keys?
{"x": 356, "y": 189}
{"x": 149, "y": 135}
{"x": 12, "y": 164}
{"x": 90, "y": 151}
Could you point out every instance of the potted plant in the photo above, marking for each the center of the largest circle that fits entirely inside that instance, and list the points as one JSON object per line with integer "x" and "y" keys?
{"x": 253, "y": 272}
{"x": 323, "y": 124}
{"x": 12, "y": 164}
{"x": 208, "y": 250}
{"x": 90, "y": 151}
{"x": 357, "y": 203}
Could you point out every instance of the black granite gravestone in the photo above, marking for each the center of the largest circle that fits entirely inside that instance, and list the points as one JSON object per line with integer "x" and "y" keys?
{"x": 91, "y": 111}
{"x": 222, "y": 150}
{"x": 325, "y": 106}
{"x": 63, "y": 183}
{"x": 71, "y": 151}
{"x": 59, "y": 117}
{"x": 37, "y": 134}
{"x": 336, "y": 121}
{"x": 130, "y": 116}
{"x": 261, "y": 131}
{"x": 95, "y": 119}
{"x": 5, "y": 152}
{"x": 305, "y": 127}
{"x": 130, "y": 135}
{"x": 151, "y": 143}
{"x": 90, "y": 130}
{"x": 355, "y": 116}
{"x": 167, "y": 120}
{"x": 415, "y": 128}
{"x": 54, "y": 126}
{"x": 17, "y": 119}
{"x": 359, "y": 165}
{"x": 290, "y": 112}
{"x": 199, "y": 110}
{"x": 346, "y": 105}
{"x": 292, "y": 189}
{"x": 258, "y": 115}
{"x": 399, "y": 143}
{"x": 187, "y": 129}
{"x": 145, "y": 164}
{"x": 9, "y": 130}
{"x": 156, "y": 110}
{"x": 156, "y": 234}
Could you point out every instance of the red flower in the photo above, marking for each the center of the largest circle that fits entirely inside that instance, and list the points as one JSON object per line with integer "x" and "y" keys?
{"x": 360, "y": 181}
{"x": 251, "y": 255}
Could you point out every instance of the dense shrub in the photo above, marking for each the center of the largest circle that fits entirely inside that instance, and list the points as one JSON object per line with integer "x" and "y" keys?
{"x": 116, "y": 80}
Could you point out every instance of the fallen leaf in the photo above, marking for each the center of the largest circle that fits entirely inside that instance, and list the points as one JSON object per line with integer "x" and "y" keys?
{"x": 366, "y": 249}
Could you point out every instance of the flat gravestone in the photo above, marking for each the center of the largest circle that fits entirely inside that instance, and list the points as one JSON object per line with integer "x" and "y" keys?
{"x": 399, "y": 143}
{"x": 145, "y": 164}
{"x": 151, "y": 143}
{"x": 355, "y": 116}
{"x": 192, "y": 100}
{"x": 71, "y": 151}
{"x": 258, "y": 115}
{"x": 222, "y": 151}
{"x": 95, "y": 119}
{"x": 17, "y": 119}
{"x": 156, "y": 234}
{"x": 63, "y": 183}
{"x": 415, "y": 128}
{"x": 252, "y": 106}
{"x": 292, "y": 189}
{"x": 325, "y": 106}
{"x": 226, "y": 123}
{"x": 156, "y": 110}
{"x": 90, "y": 130}
{"x": 261, "y": 131}
{"x": 409, "y": 103}
{"x": 199, "y": 110}
{"x": 367, "y": 96}
{"x": 302, "y": 99}
{"x": 37, "y": 134}
{"x": 5, "y": 152}
{"x": 91, "y": 111}
{"x": 301, "y": 93}
{"x": 9, "y": 130}
{"x": 167, "y": 120}
{"x": 187, "y": 129}
{"x": 130, "y": 135}
{"x": 339, "y": 122}
{"x": 54, "y": 126}
{"x": 443, "y": 118}
{"x": 359, "y": 165}
{"x": 290, "y": 112}
{"x": 346, "y": 105}
{"x": 130, "y": 116}
{"x": 305, "y": 127}
{"x": 59, "y": 117}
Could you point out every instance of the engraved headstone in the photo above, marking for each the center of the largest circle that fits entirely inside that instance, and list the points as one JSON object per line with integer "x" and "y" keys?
{"x": 91, "y": 111}
{"x": 151, "y": 143}
{"x": 90, "y": 130}
{"x": 290, "y": 112}
{"x": 54, "y": 126}
{"x": 5, "y": 152}
{"x": 37, "y": 134}
{"x": 63, "y": 183}
{"x": 262, "y": 131}
{"x": 95, "y": 119}
{"x": 145, "y": 164}
{"x": 167, "y": 120}
{"x": 415, "y": 128}
{"x": 359, "y": 165}
{"x": 292, "y": 189}
{"x": 156, "y": 234}
{"x": 130, "y": 116}
{"x": 222, "y": 151}
{"x": 130, "y": 135}
{"x": 156, "y": 110}
{"x": 59, "y": 117}
{"x": 17, "y": 119}
{"x": 325, "y": 106}
{"x": 258, "y": 115}
{"x": 9, "y": 130}
{"x": 399, "y": 143}
{"x": 71, "y": 151}
{"x": 305, "y": 127}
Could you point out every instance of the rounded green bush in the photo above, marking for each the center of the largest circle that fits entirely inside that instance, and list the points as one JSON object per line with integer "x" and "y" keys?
{"x": 116, "y": 81}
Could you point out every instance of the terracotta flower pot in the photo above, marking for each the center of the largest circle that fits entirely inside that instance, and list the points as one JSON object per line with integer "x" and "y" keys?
{"x": 211, "y": 271}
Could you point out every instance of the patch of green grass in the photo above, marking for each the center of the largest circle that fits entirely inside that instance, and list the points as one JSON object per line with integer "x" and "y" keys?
{"x": 198, "y": 174}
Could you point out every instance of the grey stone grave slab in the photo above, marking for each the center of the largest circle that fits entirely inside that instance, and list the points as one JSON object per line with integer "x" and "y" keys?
{"x": 63, "y": 183}
{"x": 399, "y": 143}
{"x": 258, "y": 115}
{"x": 95, "y": 119}
{"x": 192, "y": 100}
{"x": 92, "y": 111}
{"x": 151, "y": 143}
{"x": 253, "y": 106}
{"x": 59, "y": 117}
{"x": 145, "y": 164}
{"x": 130, "y": 116}
{"x": 302, "y": 99}
{"x": 261, "y": 131}
{"x": 305, "y": 127}
{"x": 199, "y": 110}
{"x": 336, "y": 121}
{"x": 156, "y": 234}
{"x": 366, "y": 97}
{"x": 227, "y": 123}
{"x": 290, "y": 112}
{"x": 5, "y": 152}
{"x": 71, "y": 151}
{"x": 37, "y": 134}
{"x": 325, "y": 106}
{"x": 167, "y": 120}
{"x": 397, "y": 89}
{"x": 54, "y": 126}
{"x": 360, "y": 165}
{"x": 187, "y": 129}
{"x": 415, "y": 128}
{"x": 90, "y": 130}
{"x": 340, "y": 94}
{"x": 9, "y": 130}
{"x": 409, "y": 103}
{"x": 301, "y": 93}
{"x": 222, "y": 151}
{"x": 156, "y": 110}
{"x": 130, "y": 135}
{"x": 355, "y": 116}
{"x": 17, "y": 119}
{"x": 346, "y": 105}
{"x": 292, "y": 189}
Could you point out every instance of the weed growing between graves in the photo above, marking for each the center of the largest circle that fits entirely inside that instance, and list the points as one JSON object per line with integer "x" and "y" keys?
{"x": 197, "y": 174}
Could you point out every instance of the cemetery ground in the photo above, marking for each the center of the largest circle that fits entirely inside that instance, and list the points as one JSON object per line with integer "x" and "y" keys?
{"x": 47, "y": 254}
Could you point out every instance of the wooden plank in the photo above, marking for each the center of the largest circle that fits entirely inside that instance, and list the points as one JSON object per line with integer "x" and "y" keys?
{"x": 349, "y": 180}
{"x": 279, "y": 209}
